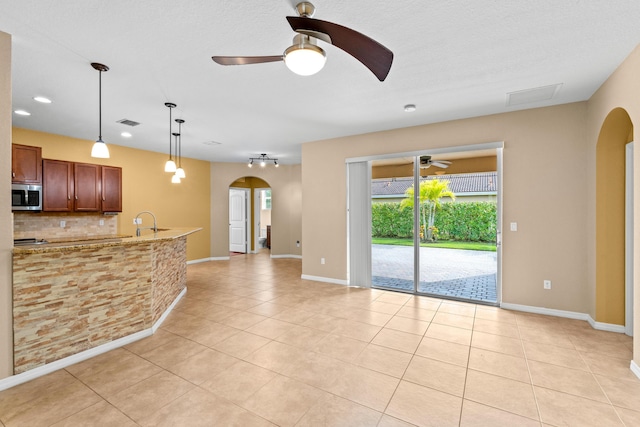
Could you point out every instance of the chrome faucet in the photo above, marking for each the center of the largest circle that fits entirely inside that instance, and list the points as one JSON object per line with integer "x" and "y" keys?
{"x": 138, "y": 228}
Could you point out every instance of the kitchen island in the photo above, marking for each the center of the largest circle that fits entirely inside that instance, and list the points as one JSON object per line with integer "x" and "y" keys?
{"x": 71, "y": 297}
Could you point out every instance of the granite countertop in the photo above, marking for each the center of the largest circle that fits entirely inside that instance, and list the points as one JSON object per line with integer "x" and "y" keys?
{"x": 76, "y": 243}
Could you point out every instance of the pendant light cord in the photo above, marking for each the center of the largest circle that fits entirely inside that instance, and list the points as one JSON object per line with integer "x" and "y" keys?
{"x": 170, "y": 122}
{"x": 100, "y": 105}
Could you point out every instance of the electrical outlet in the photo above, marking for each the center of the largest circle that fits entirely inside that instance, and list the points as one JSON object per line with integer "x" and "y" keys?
{"x": 101, "y": 222}
{"x": 514, "y": 226}
{"x": 63, "y": 224}
{"x": 137, "y": 221}
{"x": 547, "y": 284}
{"x": 321, "y": 260}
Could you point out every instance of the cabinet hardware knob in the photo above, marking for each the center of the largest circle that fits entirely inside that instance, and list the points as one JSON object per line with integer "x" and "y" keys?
{"x": 76, "y": 197}
{"x": 13, "y": 174}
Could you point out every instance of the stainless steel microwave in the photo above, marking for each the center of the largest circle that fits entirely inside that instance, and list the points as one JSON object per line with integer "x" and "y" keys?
{"x": 26, "y": 197}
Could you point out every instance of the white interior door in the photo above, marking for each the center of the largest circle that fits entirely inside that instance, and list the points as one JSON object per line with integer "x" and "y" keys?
{"x": 238, "y": 220}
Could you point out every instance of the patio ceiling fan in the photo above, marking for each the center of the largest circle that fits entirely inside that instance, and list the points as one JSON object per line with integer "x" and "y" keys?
{"x": 305, "y": 57}
{"x": 426, "y": 163}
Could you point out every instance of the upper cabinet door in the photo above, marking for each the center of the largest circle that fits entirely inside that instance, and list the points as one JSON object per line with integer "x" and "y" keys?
{"x": 26, "y": 164}
{"x": 57, "y": 188}
{"x": 111, "y": 189}
{"x": 86, "y": 187}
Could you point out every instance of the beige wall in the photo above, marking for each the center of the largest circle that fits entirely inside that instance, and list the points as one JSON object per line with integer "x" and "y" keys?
{"x": 145, "y": 185}
{"x": 286, "y": 196}
{"x": 551, "y": 236}
{"x": 621, "y": 90}
{"x": 6, "y": 222}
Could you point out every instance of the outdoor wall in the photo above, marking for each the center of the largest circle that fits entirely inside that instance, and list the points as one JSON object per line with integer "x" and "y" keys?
{"x": 475, "y": 164}
{"x": 286, "y": 196}
{"x": 145, "y": 185}
{"x": 621, "y": 90}
{"x": 551, "y": 238}
{"x": 6, "y": 221}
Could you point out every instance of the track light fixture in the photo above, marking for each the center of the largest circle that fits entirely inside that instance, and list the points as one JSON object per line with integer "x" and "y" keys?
{"x": 263, "y": 159}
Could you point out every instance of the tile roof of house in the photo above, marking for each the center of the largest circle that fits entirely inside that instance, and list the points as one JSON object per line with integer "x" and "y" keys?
{"x": 460, "y": 184}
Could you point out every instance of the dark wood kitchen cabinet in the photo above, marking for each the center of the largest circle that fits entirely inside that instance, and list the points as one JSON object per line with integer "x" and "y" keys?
{"x": 86, "y": 184}
{"x": 26, "y": 164}
{"x": 57, "y": 188}
{"x": 111, "y": 189}
{"x": 80, "y": 187}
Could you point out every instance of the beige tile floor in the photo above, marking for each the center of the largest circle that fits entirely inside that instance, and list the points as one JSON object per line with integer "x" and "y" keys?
{"x": 251, "y": 344}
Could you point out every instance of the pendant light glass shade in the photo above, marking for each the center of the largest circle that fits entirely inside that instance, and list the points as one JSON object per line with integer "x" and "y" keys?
{"x": 175, "y": 179}
{"x": 170, "y": 165}
{"x": 100, "y": 149}
{"x": 180, "y": 173}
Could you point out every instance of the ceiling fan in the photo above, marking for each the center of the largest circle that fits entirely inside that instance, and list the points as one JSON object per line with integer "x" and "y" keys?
{"x": 426, "y": 162}
{"x": 305, "y": 57}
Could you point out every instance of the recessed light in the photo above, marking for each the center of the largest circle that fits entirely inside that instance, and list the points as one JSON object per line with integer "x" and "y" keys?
{"x": 22, "y": 113}
{"x": 211, "y": 143}
{"x": 410, "y": 108}
{"x": 126, "y": 135}
{"x": 42, "y": 99}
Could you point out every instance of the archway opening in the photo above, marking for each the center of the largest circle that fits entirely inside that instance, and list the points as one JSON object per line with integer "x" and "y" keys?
{"x": 615, "y": 134}
{"x": 258, "y": 212}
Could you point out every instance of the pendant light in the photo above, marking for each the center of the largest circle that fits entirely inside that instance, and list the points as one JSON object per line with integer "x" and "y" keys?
{"x": 175, "y": 178}
{"x": 170, "y": 166}
{"x": 180, "y": 171}
{"x": 100, "y": 149}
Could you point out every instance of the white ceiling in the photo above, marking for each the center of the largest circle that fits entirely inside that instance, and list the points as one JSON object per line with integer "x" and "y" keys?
{"x": 452, "y": 59}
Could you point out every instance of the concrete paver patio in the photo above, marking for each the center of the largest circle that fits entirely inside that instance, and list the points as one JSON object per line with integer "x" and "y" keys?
{"x": 455, "y": 273}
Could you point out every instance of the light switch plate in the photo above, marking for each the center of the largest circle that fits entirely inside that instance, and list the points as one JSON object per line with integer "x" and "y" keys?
{"x": 514, "y": 226}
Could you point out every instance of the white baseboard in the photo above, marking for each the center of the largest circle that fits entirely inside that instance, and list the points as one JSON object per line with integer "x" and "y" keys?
{"x": 156, "y": 325}
{"x": 609, "y": 327}
{"x": 287, "y": 256}
{"x": 566, "y": 314}
{"x": 635, "y": 368}
{"x": 40, "y": 371}
{"x": 220, "y": 258}
{"x": 325, "y": 279}
{"x": 197, "y": 261}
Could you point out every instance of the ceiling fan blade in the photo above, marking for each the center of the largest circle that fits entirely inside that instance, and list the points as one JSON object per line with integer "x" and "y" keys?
{"x": 369, "y": 52}
{"x": 441, "y": 163}
{"x": 243, "y": 60}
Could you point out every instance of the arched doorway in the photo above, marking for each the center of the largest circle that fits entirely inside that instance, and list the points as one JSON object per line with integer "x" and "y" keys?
{"x": 615, "y": 134}
{"x": 257, "y": 213}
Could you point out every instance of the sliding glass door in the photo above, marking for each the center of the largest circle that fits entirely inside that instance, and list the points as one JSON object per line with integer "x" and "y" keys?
{"x": 434, "y": 232}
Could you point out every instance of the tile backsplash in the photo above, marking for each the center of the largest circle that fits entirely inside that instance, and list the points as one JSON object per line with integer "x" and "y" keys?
{"x": 50, "y": 225}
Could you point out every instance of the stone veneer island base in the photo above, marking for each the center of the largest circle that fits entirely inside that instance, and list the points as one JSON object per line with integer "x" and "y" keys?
{"x": 69, "y": 298}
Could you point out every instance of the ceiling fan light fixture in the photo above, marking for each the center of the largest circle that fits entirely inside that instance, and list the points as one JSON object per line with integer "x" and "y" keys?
{"x": 304, "y": 58}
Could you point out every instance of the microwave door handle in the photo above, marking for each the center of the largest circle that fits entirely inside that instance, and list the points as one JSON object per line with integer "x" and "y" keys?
{"x": 26, "y": 197}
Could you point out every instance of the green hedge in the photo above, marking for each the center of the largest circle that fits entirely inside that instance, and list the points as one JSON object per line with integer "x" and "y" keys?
{"x": 469, "y": 221}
